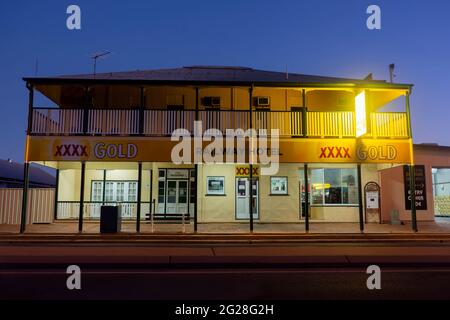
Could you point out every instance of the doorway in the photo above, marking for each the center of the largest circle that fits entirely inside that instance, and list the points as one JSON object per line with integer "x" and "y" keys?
{"x": 177, "y": 197}
{"x": 176, "y": 193}
{"x": 243, "y": 198}
{"x": 302, "y": 187}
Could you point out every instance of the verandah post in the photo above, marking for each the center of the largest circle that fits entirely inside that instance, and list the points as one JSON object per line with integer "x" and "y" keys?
{"x": 306, "y": 185}
{"x": 196, "y": 165}
{"x": 139, "y": 190}
{"x": 55, "y": 212}
{"x": 23, "y": 218}
{"x": 250, "y": 157}
{"x": 360, "y": 200}
{"x": 80, "y": 213}
{"x": 26, "y": 166}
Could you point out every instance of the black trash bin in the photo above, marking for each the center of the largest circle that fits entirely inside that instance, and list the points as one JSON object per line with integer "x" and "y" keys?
{"x": 110, "y": 219}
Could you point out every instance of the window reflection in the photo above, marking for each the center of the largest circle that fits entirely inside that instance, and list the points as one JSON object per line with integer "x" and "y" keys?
{"x": 334, "y": 186}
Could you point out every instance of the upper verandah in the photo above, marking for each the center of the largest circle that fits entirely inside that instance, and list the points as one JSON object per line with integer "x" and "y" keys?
{"x": 111, "y": 89}
{"x": 329, "y": 101}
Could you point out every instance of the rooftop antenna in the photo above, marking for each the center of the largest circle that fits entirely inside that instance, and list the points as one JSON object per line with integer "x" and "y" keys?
{"x": 95, "y": 56}
{"x": 391, "y": 72}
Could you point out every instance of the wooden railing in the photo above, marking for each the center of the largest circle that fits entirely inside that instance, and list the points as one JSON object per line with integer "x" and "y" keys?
{"x": 223, "y": 120}
{"x": 389, "y": 124}
{"x": 162, "y": 122}
{"x": 331, "y": 124}
{"x": 57, "y": 121}
{"x": 113, "y": 122}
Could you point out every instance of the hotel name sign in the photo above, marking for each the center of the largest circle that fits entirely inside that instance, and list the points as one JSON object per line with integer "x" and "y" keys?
{"x": 134, "y": 149}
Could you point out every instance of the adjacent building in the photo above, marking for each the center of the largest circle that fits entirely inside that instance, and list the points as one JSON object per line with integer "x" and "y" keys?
{"x": 11, "y": 176}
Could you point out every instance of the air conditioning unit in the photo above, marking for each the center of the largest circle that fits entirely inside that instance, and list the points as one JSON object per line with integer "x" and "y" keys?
{"x": 212, "y": 102}
{"x": 261, "y": 102}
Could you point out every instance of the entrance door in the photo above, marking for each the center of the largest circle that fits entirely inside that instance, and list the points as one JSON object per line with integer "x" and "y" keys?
{"x": 177, "y": 197}
{"x": 243, "y": 198}
{"x": 302, "y": 189}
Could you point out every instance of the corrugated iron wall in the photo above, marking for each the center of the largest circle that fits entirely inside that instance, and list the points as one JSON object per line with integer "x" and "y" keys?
{"x": 40, "y": 205}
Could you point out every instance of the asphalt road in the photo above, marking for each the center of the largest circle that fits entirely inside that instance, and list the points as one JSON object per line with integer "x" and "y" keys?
{"x": 225, "y": 272}
{"x": 236, "y": 283}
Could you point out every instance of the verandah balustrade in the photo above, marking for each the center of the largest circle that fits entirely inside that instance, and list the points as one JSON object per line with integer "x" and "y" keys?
{"x": 162, "y": 122}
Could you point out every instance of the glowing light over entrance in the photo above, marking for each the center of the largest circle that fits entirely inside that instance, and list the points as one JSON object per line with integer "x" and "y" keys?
{"x": 360, "y": 113}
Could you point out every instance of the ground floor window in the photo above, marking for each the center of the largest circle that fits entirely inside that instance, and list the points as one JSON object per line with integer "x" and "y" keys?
{"x": 334, "y": 186}
{"x": 441, "y": 191}
{"x": 115, "y": 191}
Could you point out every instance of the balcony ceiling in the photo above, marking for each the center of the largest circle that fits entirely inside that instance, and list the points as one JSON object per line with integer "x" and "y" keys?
{"x": 71, "y": 87}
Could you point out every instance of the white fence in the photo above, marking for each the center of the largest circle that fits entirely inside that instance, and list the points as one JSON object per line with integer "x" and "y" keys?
{"x": 40, "y": 205}
{"x": 91, "y": 210}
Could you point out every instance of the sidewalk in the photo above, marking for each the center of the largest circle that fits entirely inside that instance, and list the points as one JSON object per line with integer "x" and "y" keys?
{"x": 442, "y": 226}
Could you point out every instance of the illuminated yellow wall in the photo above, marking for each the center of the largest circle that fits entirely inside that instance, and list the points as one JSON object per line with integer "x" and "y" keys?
{"x": 69, "y": 185}
{"x": 222, "y": 208}
{"x": 122, "y": 96}
{"x": 280, "y": 208}
{"x": 322, "y": 100}
{"x": 217, "y": 208}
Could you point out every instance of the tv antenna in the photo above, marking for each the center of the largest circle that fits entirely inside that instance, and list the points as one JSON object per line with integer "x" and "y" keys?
{"x": 95, "y": 56}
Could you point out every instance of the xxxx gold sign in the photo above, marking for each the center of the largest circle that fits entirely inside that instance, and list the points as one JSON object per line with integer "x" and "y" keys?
{"x": 345, "y": 151}
{"x": 98, "y": 149}
{"x": 244, "y": 171}
{"x": 160, "y": 150}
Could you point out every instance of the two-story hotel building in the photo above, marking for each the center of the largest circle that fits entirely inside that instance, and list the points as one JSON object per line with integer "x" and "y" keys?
{"x": 109, "y": 138}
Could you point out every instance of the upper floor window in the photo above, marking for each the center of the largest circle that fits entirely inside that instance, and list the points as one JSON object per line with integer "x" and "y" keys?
{"x": 175, "y": 101}
{"x": 261, "y": 102}
{"x": 211, "y": 102}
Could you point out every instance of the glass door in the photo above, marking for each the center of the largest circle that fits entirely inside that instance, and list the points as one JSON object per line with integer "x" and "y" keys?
{"x": 177, "y": 197}
{"x": 171, "y": 203}
{"x": 243, "y": 198}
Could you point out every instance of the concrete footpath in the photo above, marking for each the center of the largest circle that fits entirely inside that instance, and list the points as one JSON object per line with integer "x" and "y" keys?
{"x": 218, "y": 238}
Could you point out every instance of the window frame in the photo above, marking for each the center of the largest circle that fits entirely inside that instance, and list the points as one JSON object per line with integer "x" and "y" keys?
{"x": 324, "y": 204}
{"x": 126, "y": 189}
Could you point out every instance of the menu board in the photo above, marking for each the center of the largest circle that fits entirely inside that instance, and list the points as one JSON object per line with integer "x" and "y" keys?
{"x": 420, "y": 187}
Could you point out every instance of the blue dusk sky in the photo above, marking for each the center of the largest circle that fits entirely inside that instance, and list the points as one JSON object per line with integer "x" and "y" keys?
{"x": 312, "y": 37}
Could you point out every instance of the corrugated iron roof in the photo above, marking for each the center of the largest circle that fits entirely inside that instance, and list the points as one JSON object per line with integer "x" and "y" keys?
{"x": 211, "y": 74}
{"x": 14, "y": 171}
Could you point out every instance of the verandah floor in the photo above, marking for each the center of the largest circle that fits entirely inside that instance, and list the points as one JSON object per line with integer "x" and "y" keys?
{"x": 439, "y": 226}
